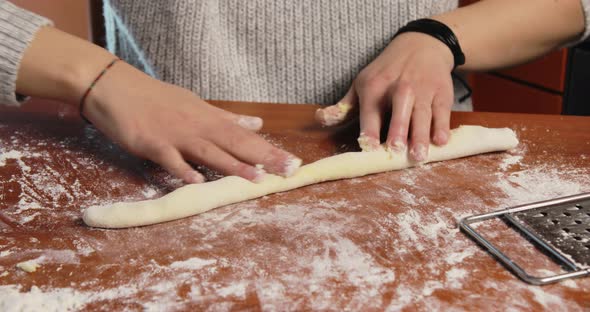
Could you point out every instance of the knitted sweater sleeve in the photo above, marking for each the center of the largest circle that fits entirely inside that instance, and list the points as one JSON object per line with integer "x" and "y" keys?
{"x": 17, "y": 30}
{"x": 586, "y": 6}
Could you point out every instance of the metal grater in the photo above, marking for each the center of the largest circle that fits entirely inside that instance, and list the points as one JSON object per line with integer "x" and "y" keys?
{"x": 559, "y": 226}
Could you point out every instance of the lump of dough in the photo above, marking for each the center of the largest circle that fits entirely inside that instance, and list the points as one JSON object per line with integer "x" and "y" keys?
{"x": 197, "y": 198}
{"x": 29, "y": 266}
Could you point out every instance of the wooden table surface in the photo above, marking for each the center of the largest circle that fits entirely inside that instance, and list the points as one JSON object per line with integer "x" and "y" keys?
{"x": 383, "y": 242}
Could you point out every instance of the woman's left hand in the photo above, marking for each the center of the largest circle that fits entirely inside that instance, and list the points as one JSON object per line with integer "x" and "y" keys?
{"x": 412, "y": 79}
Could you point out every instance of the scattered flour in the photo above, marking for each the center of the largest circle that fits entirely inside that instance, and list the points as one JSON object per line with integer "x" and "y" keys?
{"x": 236, "y": 290}
{"x": 31, "y": 217}
{"x": 149, "y": 192}
{"x": 83, "y": 247}
{"x": 192, "y": 263}
{"x": 454, "y": 277}
{"x": 18, "y": 157}
{"x": 48, "y": 256}
{"x": 47, "y": 181}
{"x": 10, "y": 155}
{"x": 14, "y": 299}
{"x": 510, "y": 160}
{"x": 311, "y": 243}
{"x": 66, "y": 299}
{"x": 458, "y": 257}
{"x": 407, "y": 197}
{"x": 570, "y": 283}
{"x": 5, "y": 253}
{"x": 539, "y": 183}
{"x": 546, "y": 299}
{"x": 430, "y": 287}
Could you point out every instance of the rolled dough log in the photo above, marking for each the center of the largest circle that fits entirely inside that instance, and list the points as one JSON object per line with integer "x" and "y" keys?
{"x": 197, "y": 198}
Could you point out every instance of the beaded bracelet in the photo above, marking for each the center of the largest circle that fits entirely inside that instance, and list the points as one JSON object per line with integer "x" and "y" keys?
{"x": 83, "y": 100}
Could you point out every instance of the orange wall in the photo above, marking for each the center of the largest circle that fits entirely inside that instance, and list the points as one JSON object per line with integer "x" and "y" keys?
{"x": 72, "y": 16}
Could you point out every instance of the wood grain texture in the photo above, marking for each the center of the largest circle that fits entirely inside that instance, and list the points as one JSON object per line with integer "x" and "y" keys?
{"x": 386, "y": 241}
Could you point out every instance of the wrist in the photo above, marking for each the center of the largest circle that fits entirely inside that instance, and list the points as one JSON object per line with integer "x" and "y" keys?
{"x": 439, "y": 31}
{"x": 59, "y": 66}
{"x": 423, "y": 42}
{"x": 77, "y": 77}
{"x": 115, "y": 82}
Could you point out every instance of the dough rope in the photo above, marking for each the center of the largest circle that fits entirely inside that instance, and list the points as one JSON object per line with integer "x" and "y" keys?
{"x": 194, "y": 199}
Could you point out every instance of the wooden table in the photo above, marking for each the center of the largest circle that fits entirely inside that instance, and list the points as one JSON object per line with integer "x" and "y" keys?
{"x": 383, "y": 242}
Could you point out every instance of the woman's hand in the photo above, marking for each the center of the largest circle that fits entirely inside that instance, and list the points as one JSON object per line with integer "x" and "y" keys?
{"x": 411, "y": 79}
{"x": 173, "y": 127}
{"x": 152, "y": 119}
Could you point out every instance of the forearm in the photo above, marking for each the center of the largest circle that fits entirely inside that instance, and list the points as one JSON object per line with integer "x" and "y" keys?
{"x": 59, "y": 66}
{"x": 501, "y": 33}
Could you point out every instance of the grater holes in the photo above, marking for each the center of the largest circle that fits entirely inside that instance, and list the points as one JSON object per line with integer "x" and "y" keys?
{"x": 576, "y": 207}
{"x": 578, "y": 238}
{"x": 579, "y": 206}
{"x": 554, "y": 221}
{"x": 567, "y": 214}
{"x": 578, "y": 221}
{"x": 587, "y": 246}
{"x": 541, "y": 214}
{"x": 566, "y": 230}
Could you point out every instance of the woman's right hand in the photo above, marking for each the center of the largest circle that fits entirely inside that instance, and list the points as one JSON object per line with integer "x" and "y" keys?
{"x": 174, "y": 127}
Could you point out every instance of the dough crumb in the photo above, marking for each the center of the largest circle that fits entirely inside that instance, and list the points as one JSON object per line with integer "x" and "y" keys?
{"x": 292, "y": 164}
{"x": 28, "y": 266}
{"x": 333, "y": 115}
{"x": 368, "y": 144}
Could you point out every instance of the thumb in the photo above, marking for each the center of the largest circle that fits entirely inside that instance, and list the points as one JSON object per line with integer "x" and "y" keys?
{"x": 336, "y": 114}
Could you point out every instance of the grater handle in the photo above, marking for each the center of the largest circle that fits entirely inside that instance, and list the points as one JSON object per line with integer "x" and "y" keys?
{"x": 465, "y": 225}
{"x": 518, "y": 270}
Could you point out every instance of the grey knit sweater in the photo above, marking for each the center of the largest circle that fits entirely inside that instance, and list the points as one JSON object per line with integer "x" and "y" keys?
{"x": 305, "y": 51}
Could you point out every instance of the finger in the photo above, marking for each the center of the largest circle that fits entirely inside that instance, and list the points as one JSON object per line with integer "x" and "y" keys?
{"x": 402, "y": 104}
{"x": 252, "y": 149}
{"x": 441, "y": 116}
{"x": 420, "y": 124}
{"x": 171, "y": 160}
{"x": 251, "y": 123}
{"x": 206, "y": 153}
{"x": 370, "y": 114}
{"x": 340, "y": 112}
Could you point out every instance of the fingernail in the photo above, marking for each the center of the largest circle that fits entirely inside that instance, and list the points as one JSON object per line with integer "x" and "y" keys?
{"x": 367, "y": 143}
{"x": 250, "y": 122}
{"x": 194, "y": 177}
{"x": 291, "y": 165}
{"x": 418, "y": 153}
{"x": 397, "y": 146}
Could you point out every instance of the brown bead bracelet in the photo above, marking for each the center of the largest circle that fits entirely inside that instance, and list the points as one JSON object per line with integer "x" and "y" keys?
{"x": 83, "y": 99}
